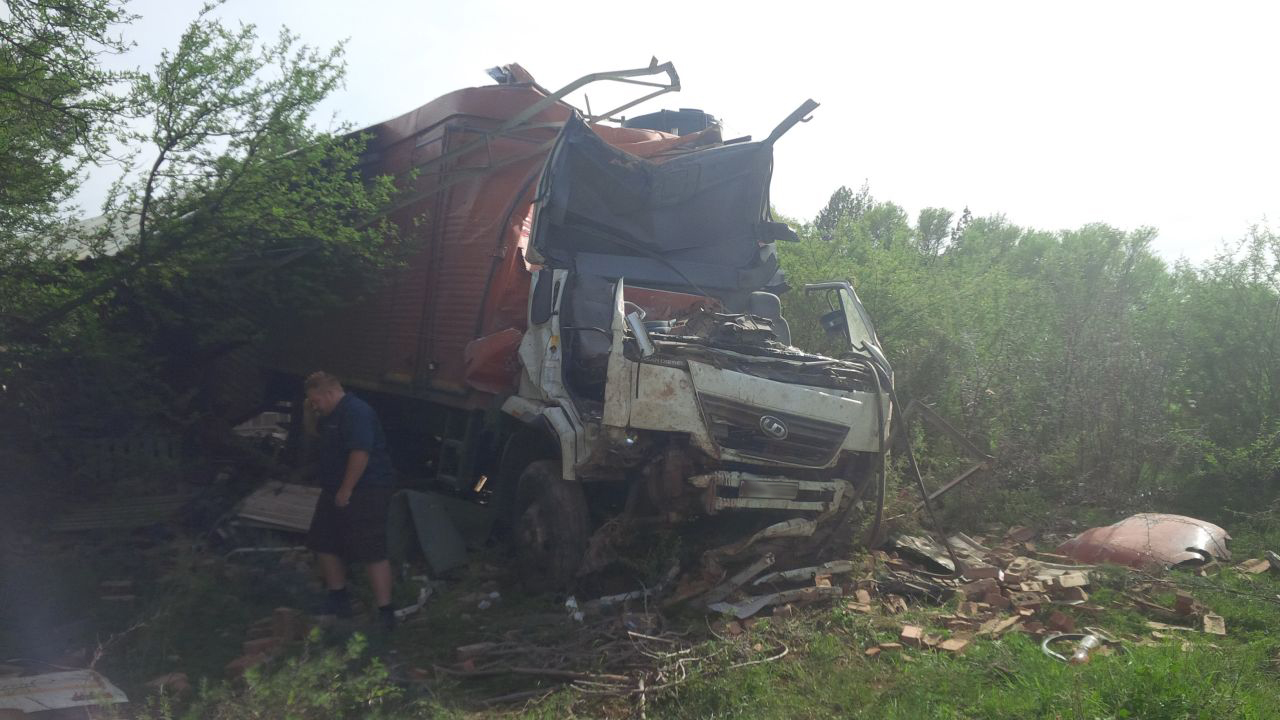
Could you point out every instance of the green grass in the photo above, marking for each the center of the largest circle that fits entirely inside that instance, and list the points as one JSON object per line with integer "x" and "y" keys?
{"x": 824, "y": 674}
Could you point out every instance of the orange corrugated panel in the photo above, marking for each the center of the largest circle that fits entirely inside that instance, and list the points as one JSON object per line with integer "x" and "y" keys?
{"x": 465, "y": 276}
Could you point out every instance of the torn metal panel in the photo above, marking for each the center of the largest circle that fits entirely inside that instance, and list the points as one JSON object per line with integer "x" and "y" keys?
{"x": 722, "y": 591}
{"x": 423, "y": 516}
{"x": 753, "y": 605}
{"x": 793, "y": 528}
{"x": 53, "y": 691}
{"x": 281, "y": 506}
{"x": 1150, "y": 539}
{"x": 924, "y": 550}
{"x": 835, "y": 567}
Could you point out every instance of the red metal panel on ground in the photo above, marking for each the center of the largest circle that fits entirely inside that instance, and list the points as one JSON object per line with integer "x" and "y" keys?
{"x": 467, "y": 224}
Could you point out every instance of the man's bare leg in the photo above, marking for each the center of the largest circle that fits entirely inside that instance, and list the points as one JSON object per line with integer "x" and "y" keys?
{"x": 380, "y": 581}
{"x": 333, "y": 571}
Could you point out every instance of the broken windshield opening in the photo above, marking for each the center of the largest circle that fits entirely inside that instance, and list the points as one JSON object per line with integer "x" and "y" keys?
{"x": 834, "y": 320}
{"x": 694, "y": 223}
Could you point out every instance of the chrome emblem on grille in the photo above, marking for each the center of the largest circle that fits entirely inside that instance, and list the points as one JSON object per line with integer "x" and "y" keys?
{"x": 773, "y": 427}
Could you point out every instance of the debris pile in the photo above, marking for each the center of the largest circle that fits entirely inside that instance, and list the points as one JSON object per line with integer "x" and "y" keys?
{"x": 1013, "y": 587}
{"x": 628, "y": 656}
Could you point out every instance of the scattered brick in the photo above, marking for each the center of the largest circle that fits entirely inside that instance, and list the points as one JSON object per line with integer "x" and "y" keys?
{"x": 1020, "y": 534}
{"x": 1061, "y": 622}
{"x": 1033, "y": 586}
{"x": 1214, "y": 624}
{"x": 998, "y": 626}
{"x": 1071, "y": 579}
{"x": 872, "y": 651}
{"x": 1020, "y": 570}
{"x": 236, "y": 668}
{"x": 174, "y": 683}
{"x": 287, "y": 624}
{"x": 259, "y": 631}
{"x": 1071, "y": 594}
{"x": 997, "y": 601}
{"x": 911, "y": 636}
{"x": 978, "y": 588}
{"x": 262, "y": 646}
{"x": 890, "y": 646}
{"x": 822, "y": 581}
{"x": 954, "y": 645}
{"x": 862, "y": 596}
{"x": 981, "y": 572}
{"x": 1031, "y": 600}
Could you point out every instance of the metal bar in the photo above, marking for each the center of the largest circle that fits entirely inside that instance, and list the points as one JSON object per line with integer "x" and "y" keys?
{"x": 765, "y": 504}
{"x": 956, "y": 481}
{"x": 835, "y": 567}
{"x": 797, "y": 116}
{"x": 734, "y": 478}
{"x": 739, "y": 579}
{"x": 751, "y": 606}
{"x": 931, "y": 416}
{"x": 531, "y": 111}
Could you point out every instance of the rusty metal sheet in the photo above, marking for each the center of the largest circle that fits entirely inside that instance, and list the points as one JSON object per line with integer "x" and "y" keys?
{"x": 281, "y": 506}
{"x": 130, "y": 513}
{"x": 1150, "y": 539}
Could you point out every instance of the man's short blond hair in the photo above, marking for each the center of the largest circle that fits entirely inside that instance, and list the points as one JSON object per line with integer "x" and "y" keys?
{"x": 321, "y": 380}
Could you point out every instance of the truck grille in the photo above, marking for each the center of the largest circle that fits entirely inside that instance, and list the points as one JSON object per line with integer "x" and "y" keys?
{"x": 737, "y": 426}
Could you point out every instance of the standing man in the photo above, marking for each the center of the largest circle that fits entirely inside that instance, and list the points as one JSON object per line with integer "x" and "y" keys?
{"x": 350, "y": 522}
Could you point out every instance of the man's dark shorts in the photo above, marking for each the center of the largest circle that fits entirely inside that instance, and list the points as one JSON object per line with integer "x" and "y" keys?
{"x": 356, "y": 533}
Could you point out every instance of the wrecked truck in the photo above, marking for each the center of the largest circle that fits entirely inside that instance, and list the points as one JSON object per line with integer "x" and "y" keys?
{"x": 588, "y": 333}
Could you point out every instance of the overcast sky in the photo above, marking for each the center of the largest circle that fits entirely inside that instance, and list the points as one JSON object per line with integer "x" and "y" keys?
{"x": 1054, "y": 114}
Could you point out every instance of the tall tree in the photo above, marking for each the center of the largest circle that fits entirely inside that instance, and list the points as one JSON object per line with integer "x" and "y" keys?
{"x": 58, "y": 110}
{"x": 237, "y": 210}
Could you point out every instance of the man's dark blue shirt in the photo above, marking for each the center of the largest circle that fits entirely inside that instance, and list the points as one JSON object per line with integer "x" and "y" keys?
{"x": 353, "y": 425}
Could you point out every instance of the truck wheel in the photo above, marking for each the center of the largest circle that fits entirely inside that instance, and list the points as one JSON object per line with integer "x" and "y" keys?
{"x": 551, "y": 530}
{"x": 522, "y": 448}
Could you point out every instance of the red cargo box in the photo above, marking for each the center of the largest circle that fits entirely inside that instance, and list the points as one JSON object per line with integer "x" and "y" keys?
{"x": 466, "y": 222}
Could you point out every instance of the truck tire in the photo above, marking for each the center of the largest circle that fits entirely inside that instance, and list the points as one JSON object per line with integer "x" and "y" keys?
{"x": 551, "y": 530}
{"x": 522, "y": 448}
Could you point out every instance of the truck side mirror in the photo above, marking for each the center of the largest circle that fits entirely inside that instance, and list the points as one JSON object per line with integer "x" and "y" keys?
{"x": 833, "y": 322}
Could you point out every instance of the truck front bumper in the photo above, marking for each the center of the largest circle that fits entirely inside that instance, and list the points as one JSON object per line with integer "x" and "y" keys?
{"x": 734, "y": 490}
